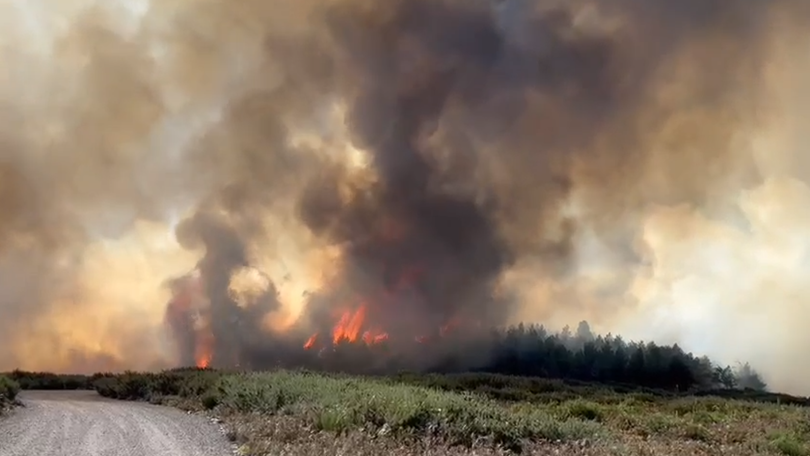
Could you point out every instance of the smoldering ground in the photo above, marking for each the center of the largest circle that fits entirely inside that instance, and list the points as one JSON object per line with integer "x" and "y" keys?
{"x": 634, "y": 163}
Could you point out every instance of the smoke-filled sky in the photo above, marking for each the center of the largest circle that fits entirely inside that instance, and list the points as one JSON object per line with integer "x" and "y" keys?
{"x": 636, "y": 163}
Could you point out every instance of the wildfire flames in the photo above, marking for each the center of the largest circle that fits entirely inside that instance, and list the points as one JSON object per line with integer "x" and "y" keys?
{"x": 391, "y": 289}
{"x": 350, "y": 328}
{"x": 363, "y": 320}
{"x": 203, "y": 350}
{"x": 397, "y": 175}
{"x": 371, "y": 317}
{"x": 188, "y": 313}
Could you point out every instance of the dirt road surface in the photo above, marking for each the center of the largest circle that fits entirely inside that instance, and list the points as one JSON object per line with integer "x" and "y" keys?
{"x": 81, "y": 423}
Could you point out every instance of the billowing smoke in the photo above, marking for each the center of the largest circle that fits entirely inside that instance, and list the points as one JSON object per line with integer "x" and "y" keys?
{"x": 271, "y": 165}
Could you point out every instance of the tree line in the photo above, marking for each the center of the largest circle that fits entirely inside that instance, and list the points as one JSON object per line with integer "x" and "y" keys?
{"x": 581, "y": 355}
{"x": 534, "y": 351}
{"x": 522, "y": 350}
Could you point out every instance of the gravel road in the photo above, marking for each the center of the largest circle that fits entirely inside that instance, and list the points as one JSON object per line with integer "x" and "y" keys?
{"x": 81, "y": 423}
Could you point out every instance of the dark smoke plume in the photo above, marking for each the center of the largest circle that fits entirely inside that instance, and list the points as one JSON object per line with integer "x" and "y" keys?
{"x": 438, "y": 160}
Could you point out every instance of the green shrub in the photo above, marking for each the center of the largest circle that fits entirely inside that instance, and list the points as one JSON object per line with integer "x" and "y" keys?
{"x": 49, "y": 381}
{"x": 583, "y": 410}
{"x": 8, "y": 389}
{"x": 789, "y": 445}
{"x": 338, "y": 404}
{"x": 696, "y": 432}
{"x": 145, "y": 386}
{"x": 210, "y": 399}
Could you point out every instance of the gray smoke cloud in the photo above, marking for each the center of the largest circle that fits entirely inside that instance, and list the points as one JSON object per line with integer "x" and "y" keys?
{"x": 631, "y": 163}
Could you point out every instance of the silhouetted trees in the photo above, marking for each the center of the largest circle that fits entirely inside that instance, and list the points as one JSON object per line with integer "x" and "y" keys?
{"x": 532, "y": 350}
{"x": 747, "y": 378}
{"x": 581, "y": 355}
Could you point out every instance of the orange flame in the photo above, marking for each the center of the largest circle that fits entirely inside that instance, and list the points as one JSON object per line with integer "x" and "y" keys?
{"x": 351, "y": 324}
{"x": 203, "y": 361}
{"x": 349, "y": 327}
{"x": 203, "y": 350}
{"x": 189, "y": 307}
{"x": 311, "y": 341}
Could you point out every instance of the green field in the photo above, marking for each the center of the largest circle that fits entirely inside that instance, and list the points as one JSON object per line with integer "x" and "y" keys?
{"x": 293, "y": 413}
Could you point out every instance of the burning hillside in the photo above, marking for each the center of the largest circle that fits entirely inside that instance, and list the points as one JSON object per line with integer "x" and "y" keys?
{"x": 452, "y": 149}
{"x": 263, "y": 175}
{"x": 414, "y": 263}
{"x": 399, "y": 283}
{"x": 189, "y": 316}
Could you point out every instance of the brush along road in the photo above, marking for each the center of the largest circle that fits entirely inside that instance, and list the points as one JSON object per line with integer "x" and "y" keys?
{"x": 82, "y": 423}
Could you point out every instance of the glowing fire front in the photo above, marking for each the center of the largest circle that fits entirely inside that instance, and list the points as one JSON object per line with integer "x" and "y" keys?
{"x": 188, "y": 314}
{"x": 374, "y": 317}
{"x": 350, "y": 328}
{"x": 371, "y": 320}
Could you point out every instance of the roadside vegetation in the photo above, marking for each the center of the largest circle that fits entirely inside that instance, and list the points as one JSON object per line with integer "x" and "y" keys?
{"x": 300, "y": 412}
{"x": 8, "y": 393}
{"x": 50, "y": 381}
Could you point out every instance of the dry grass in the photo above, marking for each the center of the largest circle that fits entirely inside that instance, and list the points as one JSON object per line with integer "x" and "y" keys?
{"x": 703, "y": 426}
{"x": 285, "y": 413}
